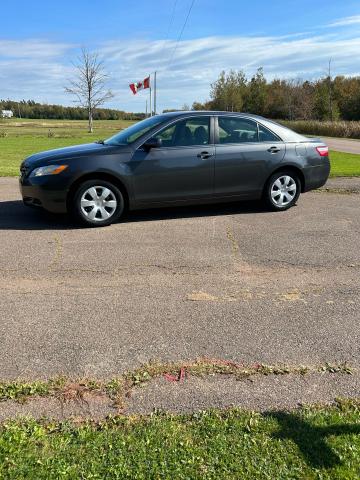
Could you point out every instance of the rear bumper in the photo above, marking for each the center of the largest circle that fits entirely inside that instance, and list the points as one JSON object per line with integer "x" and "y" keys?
{"x": 316, "y": 176}
{"x": 42, "y": 192}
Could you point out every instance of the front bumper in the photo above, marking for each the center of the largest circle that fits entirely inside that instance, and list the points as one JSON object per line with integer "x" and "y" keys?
{"x": 47, "y": 192}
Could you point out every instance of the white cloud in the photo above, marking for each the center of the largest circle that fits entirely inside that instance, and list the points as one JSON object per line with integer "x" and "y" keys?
{"x": 39, "y": 69}
{"x": 32, "y": 48}
{"x": 198, "y": 62}
{"x": 355, "y": 19}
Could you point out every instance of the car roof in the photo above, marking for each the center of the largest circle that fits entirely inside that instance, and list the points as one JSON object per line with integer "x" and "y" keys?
{"x": 180, "y": 113}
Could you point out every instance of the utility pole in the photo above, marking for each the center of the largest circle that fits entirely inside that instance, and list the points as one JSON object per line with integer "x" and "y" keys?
{"x": 330, "y": 92}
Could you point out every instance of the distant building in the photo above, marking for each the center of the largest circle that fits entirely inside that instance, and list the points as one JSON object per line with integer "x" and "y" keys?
{"x": 7, "y": 114}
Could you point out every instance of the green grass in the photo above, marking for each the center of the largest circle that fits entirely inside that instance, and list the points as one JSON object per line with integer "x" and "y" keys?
{"x": 25, "y": 137}
{"x": 312, "y": 443}
{"x": 344, "y": 164}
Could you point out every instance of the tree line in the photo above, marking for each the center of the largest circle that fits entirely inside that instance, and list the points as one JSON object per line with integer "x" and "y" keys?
{"x": 327, "y": 98}
{"x": 31, "y": 109}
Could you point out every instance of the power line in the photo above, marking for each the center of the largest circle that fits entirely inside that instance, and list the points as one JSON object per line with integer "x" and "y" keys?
{"x": 181, "y": 33}
{"x": 172, "y": 17}
{"x": 171, "y": 21}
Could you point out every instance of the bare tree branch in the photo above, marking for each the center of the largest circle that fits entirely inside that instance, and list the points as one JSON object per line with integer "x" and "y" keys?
{"x": 89, "y": 84}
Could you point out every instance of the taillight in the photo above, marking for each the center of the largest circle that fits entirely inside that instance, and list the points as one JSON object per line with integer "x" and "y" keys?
{"x": 323, "y": 151}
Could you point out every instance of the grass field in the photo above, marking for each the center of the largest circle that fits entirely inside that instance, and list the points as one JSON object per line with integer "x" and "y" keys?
{"x": 344, "y": 164}
{"x": 19, "y": 139}
{"x": 339, "y": 128}
{"x": 26, "y": 137}
{"x": 313, "y": 443}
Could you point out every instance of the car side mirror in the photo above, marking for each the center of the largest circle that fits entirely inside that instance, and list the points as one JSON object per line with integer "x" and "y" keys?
{"x": 152, "y": 143}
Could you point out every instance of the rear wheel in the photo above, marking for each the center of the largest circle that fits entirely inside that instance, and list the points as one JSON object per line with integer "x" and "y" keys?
{"x": 282, "y": 190}
{"x": 97, "y": 203}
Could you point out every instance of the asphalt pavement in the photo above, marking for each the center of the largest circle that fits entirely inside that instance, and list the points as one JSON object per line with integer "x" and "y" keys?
{"x": 227, "y": 281}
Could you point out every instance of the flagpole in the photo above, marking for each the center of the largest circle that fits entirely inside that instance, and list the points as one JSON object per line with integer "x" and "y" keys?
{"x": 150, "y": 102}
{"x": 146, "y": 108}
{"x": 155, "y": 93}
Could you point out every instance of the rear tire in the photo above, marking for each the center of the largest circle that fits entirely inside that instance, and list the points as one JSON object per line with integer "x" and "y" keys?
{"x": 97, "y": 203}
{"x": 282, "y": 190}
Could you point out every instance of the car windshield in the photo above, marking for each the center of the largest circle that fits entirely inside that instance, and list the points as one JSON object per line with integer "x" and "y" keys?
{"x": 130, "y": 134}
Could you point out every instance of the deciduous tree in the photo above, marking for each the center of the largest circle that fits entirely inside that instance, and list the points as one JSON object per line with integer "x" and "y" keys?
{"x": 89, "y": 84}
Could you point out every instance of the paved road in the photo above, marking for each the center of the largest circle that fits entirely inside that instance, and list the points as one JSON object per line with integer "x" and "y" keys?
{"x": 343, "y": 144}
{"x": 229, "y": 281}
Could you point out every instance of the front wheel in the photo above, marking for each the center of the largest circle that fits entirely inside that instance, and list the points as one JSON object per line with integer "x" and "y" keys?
{"x": 282, "y": 190}
{"x": 97, "y": 203}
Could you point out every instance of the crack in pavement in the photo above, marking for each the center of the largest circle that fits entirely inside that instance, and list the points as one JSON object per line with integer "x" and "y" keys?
{"x": 57, "y": 253}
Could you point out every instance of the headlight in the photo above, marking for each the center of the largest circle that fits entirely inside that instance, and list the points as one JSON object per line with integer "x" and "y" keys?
{"x": 49, "y": 170}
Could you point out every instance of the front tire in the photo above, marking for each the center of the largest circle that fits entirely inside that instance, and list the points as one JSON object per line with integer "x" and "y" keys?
{"x": 97, "y": 203}
{"x": 282, "y": 190}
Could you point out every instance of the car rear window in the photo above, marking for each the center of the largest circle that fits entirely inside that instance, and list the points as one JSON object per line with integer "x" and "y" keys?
{"x": 237, "y": 130}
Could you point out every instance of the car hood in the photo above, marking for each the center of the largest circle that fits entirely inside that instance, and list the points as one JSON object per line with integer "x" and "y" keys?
{"x": 76, "y": 151}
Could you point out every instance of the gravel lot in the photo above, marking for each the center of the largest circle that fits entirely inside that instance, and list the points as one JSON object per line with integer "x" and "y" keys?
{"x": 229, "y": 281}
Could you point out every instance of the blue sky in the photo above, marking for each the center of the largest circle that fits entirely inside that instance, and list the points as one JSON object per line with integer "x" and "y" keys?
{"x": 39, "y": 39}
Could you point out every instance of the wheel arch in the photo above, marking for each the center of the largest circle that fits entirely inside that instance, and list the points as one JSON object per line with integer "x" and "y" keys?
{"x": 98, "y": 176}
{"x": 289, "y": 168}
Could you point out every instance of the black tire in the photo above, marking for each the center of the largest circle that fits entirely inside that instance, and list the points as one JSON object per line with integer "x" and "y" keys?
{"x": 273, "y": 200}
{"x": 95, "y": 215}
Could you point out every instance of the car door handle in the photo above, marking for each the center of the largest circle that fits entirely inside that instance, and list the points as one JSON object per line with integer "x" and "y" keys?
{"x": 274, "y": 150}
{"x": 204, "y": 155}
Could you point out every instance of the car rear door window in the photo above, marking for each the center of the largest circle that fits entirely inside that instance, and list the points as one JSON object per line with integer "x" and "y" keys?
{"x": 187, "y": 132}
{"x": 237, "y": 130}
{"x": 266, "y": 135}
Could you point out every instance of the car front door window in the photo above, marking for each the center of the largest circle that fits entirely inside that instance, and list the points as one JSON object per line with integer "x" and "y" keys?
{"x": 185, "y": 133}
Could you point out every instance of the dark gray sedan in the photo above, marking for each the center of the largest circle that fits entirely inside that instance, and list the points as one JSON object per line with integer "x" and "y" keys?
{"x": 175, "y": 159}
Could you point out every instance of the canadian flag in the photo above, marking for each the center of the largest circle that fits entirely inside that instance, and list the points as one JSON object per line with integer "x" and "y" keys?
{"x": 136, "y": 86}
